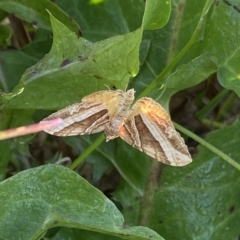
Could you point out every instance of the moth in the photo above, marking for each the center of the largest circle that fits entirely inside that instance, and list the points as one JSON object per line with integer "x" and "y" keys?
{"x": 146, "y": 126}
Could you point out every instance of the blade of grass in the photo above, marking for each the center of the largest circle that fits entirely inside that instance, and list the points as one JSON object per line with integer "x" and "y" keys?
{"x": 203, "y": 113}
{"x": 228, "y": 104}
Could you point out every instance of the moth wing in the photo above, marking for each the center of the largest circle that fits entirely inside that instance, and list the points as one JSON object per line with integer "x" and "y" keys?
{"x": 79, "y": 119}
{"x": 149, "y": 129}
{"x": 89, "y": 116}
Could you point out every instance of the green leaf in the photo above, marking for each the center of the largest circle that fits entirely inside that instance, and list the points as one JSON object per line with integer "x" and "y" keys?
{"x": 156, "y": 14}
{"x": 106, "y": 19}
{"x": 185, "y": 75}
{"x": 21, "y": 117}
{"x": 199, "y": 201}
{"x": 229, "y": 75}
{"x": 50, "y": 196}
{"x": 71, "y": 71}
{"x": 223, "y": 40}
{"x": 36, "y": 12}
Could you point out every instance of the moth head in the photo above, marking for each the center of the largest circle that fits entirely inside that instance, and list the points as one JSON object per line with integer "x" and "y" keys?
{"x": 110, "y": 133}
{"x": 109, "y": 137}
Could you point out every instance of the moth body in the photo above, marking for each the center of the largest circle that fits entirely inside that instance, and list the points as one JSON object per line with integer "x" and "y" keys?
{"x": 117, "y": 121}
{"x": 146, "y": 126}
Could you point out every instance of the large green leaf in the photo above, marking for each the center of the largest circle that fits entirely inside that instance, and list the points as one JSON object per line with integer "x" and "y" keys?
{"x": 50, "y": 196}
{"x": 71, "y": 71}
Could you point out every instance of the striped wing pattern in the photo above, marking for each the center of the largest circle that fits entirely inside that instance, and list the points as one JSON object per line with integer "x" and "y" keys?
{"x": 149, "y": 129}
{"x": 89, "y": 116}
{"x": 146, "y": 126}
{"x": 78, "y": 120}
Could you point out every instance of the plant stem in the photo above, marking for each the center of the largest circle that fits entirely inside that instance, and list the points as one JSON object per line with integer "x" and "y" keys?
{"x": 203, "y": 113}
{"x": 227, "y": 105}
{"x": 90, "y": 149}
{"x": 208, "y": 146}
{"x": 160, "y": 77}
{"x": 148, "y": 196}
{"x": 210, "y": 123}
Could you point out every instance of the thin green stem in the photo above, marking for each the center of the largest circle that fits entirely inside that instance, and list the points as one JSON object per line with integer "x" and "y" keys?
{"x": 162, "y": 75}
{"x": 210, "y": 123}
{"x": 227, "y": 105}
{"x": 90, "y": 149}
{"x": 203, "y": 113}
{"x": 208, "y": 146}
